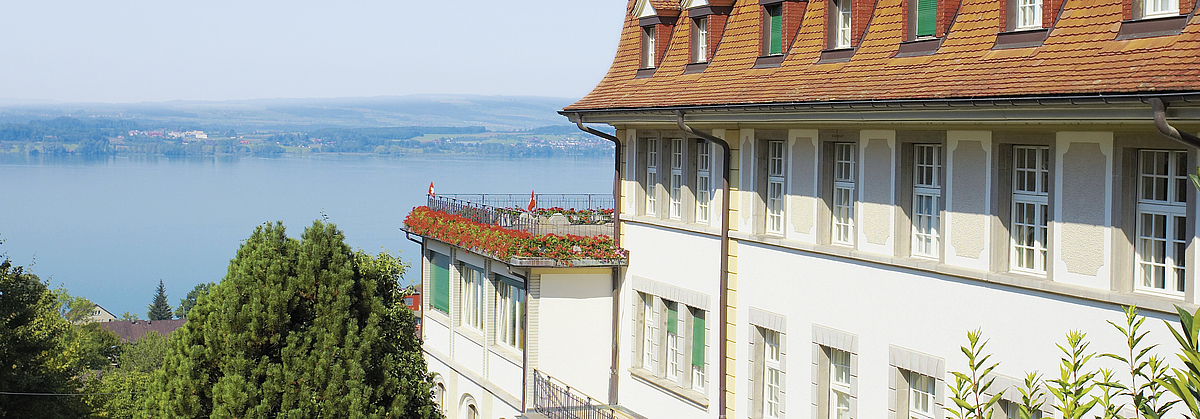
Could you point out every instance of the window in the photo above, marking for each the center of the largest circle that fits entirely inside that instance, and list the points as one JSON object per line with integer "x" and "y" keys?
{"x": 839, "y": 384}
{"x": 676, "y": 207}
{"x": 1162, "y": 235}
{"x": 773, "y": 29}
{"x": 772, "y": 375}
{"x": 439, "y": 396}
{"x": 472, "y": 297}
{"x": 1029, "y": 14}
{"x": 1031, "y": 183}
{"x": 648, "y": 47}
{"x": 510, "y": 314}
{"x": 699, "y": 366}
{"x": 472, "y": 413}
{"x": 843, "y": 193}
{"x": 674, "y": 353}
{"x": 927, "y": 197}
{"x": 649, "y": 332}
{"x": 700, "y": 40}
{"x": 921, "y": 396}
{"x": 651, "y": 176}
{"x": 842, "y": 25}
{"x": 925, "y": 18}
{"x": 1156, "y": 8}
{"x": 775, "y": 178}
{"x": 439, "y": 284}
{"x": 703, "y": 180}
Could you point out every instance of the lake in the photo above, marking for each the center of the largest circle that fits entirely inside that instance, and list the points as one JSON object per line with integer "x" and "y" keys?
{"x": 108, "y": 229}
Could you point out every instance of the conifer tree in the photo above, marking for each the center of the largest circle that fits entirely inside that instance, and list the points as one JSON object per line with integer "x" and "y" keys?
{"x": 160, "y": 309}
{"x": 297, "y": 328}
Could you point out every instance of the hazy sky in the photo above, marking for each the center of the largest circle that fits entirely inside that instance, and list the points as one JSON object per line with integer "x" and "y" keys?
{"x": 159, "y": 50}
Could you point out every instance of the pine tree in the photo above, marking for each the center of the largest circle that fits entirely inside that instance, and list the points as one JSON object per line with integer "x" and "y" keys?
{"x": 297, "y": 328}
{"x": 159, "y": 309}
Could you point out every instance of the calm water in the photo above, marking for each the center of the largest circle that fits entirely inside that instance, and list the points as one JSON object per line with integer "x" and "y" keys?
{"x": 110, "y": 229}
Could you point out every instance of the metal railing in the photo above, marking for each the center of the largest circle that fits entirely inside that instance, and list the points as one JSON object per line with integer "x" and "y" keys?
{"x": 559, "y": 401}
{"x": 510, "y": 211}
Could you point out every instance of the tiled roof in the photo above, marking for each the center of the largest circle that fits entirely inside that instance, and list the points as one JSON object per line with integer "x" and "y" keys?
{"x": 131, "y": 331}
{"x": 1080, "y": 56}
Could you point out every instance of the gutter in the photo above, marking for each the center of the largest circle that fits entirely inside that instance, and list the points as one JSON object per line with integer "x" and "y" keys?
{"x": 1165, "y": 128}
{"x": 723, "y": 314}
{"x": 613, "y": 376}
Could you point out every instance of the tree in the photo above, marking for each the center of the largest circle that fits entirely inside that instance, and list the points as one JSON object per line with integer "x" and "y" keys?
{"x": 127, "y": 316}
{"x": 186, "y": 304}
{"x": 159, "y": 308}
{"x": 297, "y": 328}
{"x": 119, "y": 390}
{"x": 32, "y": 359}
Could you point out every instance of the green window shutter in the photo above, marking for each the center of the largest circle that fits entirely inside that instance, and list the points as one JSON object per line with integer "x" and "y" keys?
{"x": 698, "y": 339}
{"x": 776, "y": 14}
{"x": 441, "y": 282}
{"x": 673, "y": 318}
{"x": 926, "y": 17}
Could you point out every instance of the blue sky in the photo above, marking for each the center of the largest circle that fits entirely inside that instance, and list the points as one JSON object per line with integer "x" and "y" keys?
{"x": 161, "y": 50}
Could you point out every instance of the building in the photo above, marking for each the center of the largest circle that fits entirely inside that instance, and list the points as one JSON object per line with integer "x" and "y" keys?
{"x": 819, "y": 199}
{"x": 99, "y": 314}
{"x": 132, "y": 330}
{"x": 413, "y": 302}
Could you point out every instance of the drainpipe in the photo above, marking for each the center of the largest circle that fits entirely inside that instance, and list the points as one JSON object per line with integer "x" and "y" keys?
{"x": 723, "y": 314}
{"x": 1164, "y": 128}
{"x": 613, "y": 378}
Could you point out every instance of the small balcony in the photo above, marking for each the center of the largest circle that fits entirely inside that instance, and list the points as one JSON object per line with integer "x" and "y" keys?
{"x": 542, "y": 230}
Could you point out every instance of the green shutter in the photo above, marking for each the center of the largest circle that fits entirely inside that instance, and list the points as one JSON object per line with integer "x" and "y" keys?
{"x": 441, "y": 282}
{"x": 926, "y": 18}
{"x": 698, "y": 339}
{"x": 673, "y": 318}
{"x": 776, "y": 14}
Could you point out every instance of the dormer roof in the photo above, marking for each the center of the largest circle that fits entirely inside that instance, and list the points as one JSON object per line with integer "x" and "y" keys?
{"x": 653, "y": 8}
{"x": 1081, "y": 55}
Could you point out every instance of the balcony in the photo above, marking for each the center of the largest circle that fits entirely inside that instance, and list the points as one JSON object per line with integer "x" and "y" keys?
{"x": 543, "y": 230}
{"x": 553, "y": 399}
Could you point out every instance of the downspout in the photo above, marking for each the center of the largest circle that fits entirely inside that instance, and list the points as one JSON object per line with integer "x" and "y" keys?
{"x": 613, "y": 378}
{"x": 1164, "y": 128}
{"x": 723, "y": 313}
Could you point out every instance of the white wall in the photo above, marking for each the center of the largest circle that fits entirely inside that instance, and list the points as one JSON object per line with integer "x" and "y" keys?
{"x": 575, "y": 330}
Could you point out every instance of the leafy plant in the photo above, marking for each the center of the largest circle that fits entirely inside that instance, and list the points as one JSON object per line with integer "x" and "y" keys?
{"x": 1185, "y": 383}
{"x": 504, "y": 243}
{"x": 1148, "y": 370}
{"x": 1032, "y": 397}
{"x": 970, "y": 388}
{"x": 1074, "y": 383}
{"x": 1109, "y": 390}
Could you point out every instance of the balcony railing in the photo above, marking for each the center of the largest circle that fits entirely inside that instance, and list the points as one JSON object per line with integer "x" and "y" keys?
{"x": 562, "y": 214}
{"x": 557, "y": 400}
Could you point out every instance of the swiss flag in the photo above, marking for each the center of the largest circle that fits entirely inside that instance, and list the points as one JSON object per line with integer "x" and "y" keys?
{"x": 532, "y": 201}
{"x": 431, "y": 189}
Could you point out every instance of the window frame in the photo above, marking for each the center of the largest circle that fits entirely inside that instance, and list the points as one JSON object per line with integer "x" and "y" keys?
{"x": 1170, "y": 8}
{"x": 916, "y": 395}
{"x": 916, "y": 13}
{"x": 1173, "y": 211}
{"x": 926, "y": 213}
{"x": 472, "y": 294}
{"x": 652, "y": 181}
{"x": 772, "y": 382}
{"x": 1027, "y": 11}
{"x": 700, "y": 40}
{"x": 776, "y": 187}
{"x": 844, "y": 195}
{"x": 511, "y": 311}
{"x": 704, "y": 189}
{"x": 1022, "y": 200}
{"x": 698, "y": 335}
{"x": 843, "y": 24}
{"x": 772, "y": 30}
{"x": 648, "y": 46}
{"x": 675, "y": 189}
{"x": 836, "y": 387}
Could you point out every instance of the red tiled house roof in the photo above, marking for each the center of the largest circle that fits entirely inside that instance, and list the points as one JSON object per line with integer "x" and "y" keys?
{"x": 131, "y": 331}
{"x": 1080, "y": 56}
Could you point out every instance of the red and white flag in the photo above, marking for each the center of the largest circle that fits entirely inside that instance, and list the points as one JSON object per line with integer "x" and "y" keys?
{"x": 532, "y": 201}
{"x": 431, "y": 189}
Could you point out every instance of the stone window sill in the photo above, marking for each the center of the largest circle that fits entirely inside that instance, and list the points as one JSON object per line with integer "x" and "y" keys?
{"x": 769, "y": 61}
{"x": 1021, "y": 39}
{"x": 645, "y": 72}
{"x": 1152, "y": 26}
{"x": 684, "y": 393}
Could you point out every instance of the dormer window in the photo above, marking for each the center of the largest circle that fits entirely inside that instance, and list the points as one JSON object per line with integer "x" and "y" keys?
{"x": 700, "y": 40}
{"x": 648, "y": 47}
{"x": 1160, "y": 8}
{"x": 773, "y": 29}
{"x": 1029, "y": 14}
{"x": 841, "y": 24}
{"x": 925, "y": 18}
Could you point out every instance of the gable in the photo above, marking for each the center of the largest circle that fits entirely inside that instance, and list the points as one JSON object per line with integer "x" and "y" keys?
{"x": 644, "y": 9}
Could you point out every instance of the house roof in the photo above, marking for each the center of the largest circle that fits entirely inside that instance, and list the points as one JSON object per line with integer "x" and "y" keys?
{"x": 131, "y": 331}
{"x": 1080, "y": 56}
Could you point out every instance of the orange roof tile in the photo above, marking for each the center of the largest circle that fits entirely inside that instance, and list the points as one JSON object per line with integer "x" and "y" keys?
{"x": 1080, "y": 56}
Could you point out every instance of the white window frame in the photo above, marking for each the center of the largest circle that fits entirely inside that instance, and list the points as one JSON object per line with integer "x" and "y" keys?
{"x": 700, "y": 40}
{"x": 1030, "y": 191}
{"x": 1161, "y": 251}
{"x": 922, "y": 392}
{"x": 676, "y": 189}
{"x": 844, "y": 174}
{"x": 703, "y": 180}
{"x": 652, "y": 176}
{"x": 1160, "y": 8}
{"x": 510, "y": 315}
{"x": 776, "y": 178}
{"x": 699, "y": 373}
{"x": 772, "y": 390}
{"x": 648, "y": 33}
{"x": 927, "y": 200}
{"x": 649, "y": 332}
{"x": 839, "y": 389}
{"x": 674, "y": 341}
{"x": 472, "y": 297}
{"x": 1029, "y": 14}
{"x": 843, "y": 24}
